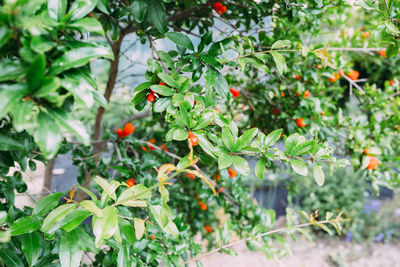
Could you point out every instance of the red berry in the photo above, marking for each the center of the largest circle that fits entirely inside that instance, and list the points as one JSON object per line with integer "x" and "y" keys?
{"x": 151, "y": 97}
{"x": 130, "y": 182}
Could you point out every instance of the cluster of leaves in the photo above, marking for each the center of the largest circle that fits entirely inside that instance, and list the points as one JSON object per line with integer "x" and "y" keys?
{"x": 46, "y": 77}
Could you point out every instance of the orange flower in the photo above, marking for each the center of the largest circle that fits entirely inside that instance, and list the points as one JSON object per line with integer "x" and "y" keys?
{"x": 235, "y": 93}
{"x": 275, "y": 111}
{"x": 152, "y": 237}
{"x": 391, "y": 82}
{"x": 334, "y": 78}
{"x": 151, "y": 97}
{"x": 366, "y": 151}
{"x": 128, "y": 129}
{"x": 191, "y": 176}
{"x": 365, "y": 34}
{"x": 282, "y": 94}
{"x": 298, "y": 77}
{"x": 373, "y": 163}
{"x": 208, "y": 229}
{"x": 219, "y": 8}
{"x": 193, "y": 139}
{"x": 232, "y": 173}
{"x": 203, "y": 206}
{"x": 300, "y": 123}
{"x": 306, "y": 93}
{"x": 382, "y": 53}
{"x": 353, "y": 75}
{"x": 130, "y": 182}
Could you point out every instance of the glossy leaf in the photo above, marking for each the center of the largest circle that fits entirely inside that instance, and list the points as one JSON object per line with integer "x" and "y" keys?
{"x": 280, "y": 62}
{"x": 25, "y": 225}
{"x": 156, "y": 14}
{"x": 246, "y": 138}
{"x": 241, "y": 165}
{"x": 57, "y": 9}
{"x": 56, "y": 216}
{"x": 35, "y": 72}
{"x": 139, "y": 8}
{"x": 299, "y": 167}
{"x": 105, "y": 227}
{"x": 80, "y": 8}
{"x": 10, "y": 95}
{"x": 31, "y": 247}
{"x": 47, "y": 136}
{"x": 224, "y": 161}
{"x": 8, "y": 143}
{"x": 46, "y": 204}
{"x": 180, "y": 39}
{"x": 9, "y": 258}
{"x": 70, "y": 252}
{"x": 139, "y": 227}
{"x": 319, "y": 175}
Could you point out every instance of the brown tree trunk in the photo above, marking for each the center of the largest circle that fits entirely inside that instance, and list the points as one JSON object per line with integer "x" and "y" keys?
{"x": 98, "y": 147}
{"x": 48, "y": 177}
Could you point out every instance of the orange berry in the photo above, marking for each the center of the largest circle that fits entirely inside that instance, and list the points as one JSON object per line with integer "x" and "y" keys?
{"x": 193, "y": 139}
{"x": 119, "y": 132}
{"x": 220, "y": 190}
{"x": 191, "y": 176}
{"x": 232, "y": 173}
{"x": 298, "y": 93}
{"x": 130, "y": 182}
{"x": 391, "y": 82}
{"x": 219, "y": 8}
{"x": 306, "y": 93}
{"x": 152, "y": 237}
{"x": 365, "y": 34}
{"x": 144, "y": 148}
{"x": 208, "y": 229}
{"x": 151, "y": 97}
{"x": 235, "y": 93}
{"x": 382, "y": 53}
{"x": 128, "y": 129}
{"x": 282, "y": 94}
{"x": 322, "y": 113}
{"x": 217, "y": 177}
{"x": 319, "y": 67}
{"x": 162, "y": 83}
{"x": 203, "y": 206}
{"x": 353, "y": 75}
{"x": 164, "y": 148}
{"x": 300, "y": 123}
{"x": 334, "y": 78}
{"x": 298, "y": 77}
{"x": 373, "y": 163}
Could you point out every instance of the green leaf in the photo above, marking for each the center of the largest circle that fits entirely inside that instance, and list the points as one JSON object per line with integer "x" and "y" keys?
{"x": 31, "y": 247}
{"x": 142, "y": 86}
{"x": 139, "y": 8}
{"x": 70, "y": 252}
{"x": 169, "y": 228}
{"x": 47, "y": 135}
{"x": 5, "y": 34}
{"x": 280, "y": 62}
{"x": 105, "y": 227}
{"x": 80, "y": 8}
{"x": 256, "y": 63}
{"x": 136, "y": 192}
{"x": 9, "y": 258}
{"x": 156, "y": 14}
{"x": 88, "y": 25}
{"x": 168, "y": 79}
{"x": 241, "y": 165}
{"x": 221, "y": 86}
{"x": 319, "y": 175}
{"x": 92, "y": 196}
{"x": 299, "y": 167}
{"x": 70, "y": 125}
{"x": 107, "y": 187}
{"x": 180, "y": 134}
{"x": 7, "y": 143}
{"x": 166, "y": 58}
{"x": 260, "y": 168}
{"x": 206, "y": 145}
{"x": 71, "y": 221}
{"x": 56, "y": 216}
{"x": 181, "y": 40}
{"x": 35, "y": 72}
{"x": 227, "y": 138}
{"x": 184, "y": 115}
{"x": 139, "y": 227}
{"x": 393, "y": 49}
{"x": 281, "y": 43}
{"x": 78, "y": 57}
{"x": 303, "y": 148}
{"x": 10, "y": 70}
{"x": 127, "y": 230}
{"x": 224, "y": 161}
{"x": 161, "y": 104}
{"x": 49, "y": 85}
{"x": 291, "y": 143}
{"x": 162, "y": 90}
{"x": 103, "y": 6}
{"x": 205, "y": 120}
{"x": 46, "y": 204}
{"x": 41, "y": 44}
{"x": 10, "y": 95}
{"x": 25, "y": 225}
{"x": 57, "y": 9}
{"x": 272, "y": 137}
{"x": 92, "y": 207}
{"x": 246, "y": 138}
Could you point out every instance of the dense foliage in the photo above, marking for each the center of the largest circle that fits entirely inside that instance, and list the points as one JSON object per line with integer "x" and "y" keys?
{"x": 270, "y": 89}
